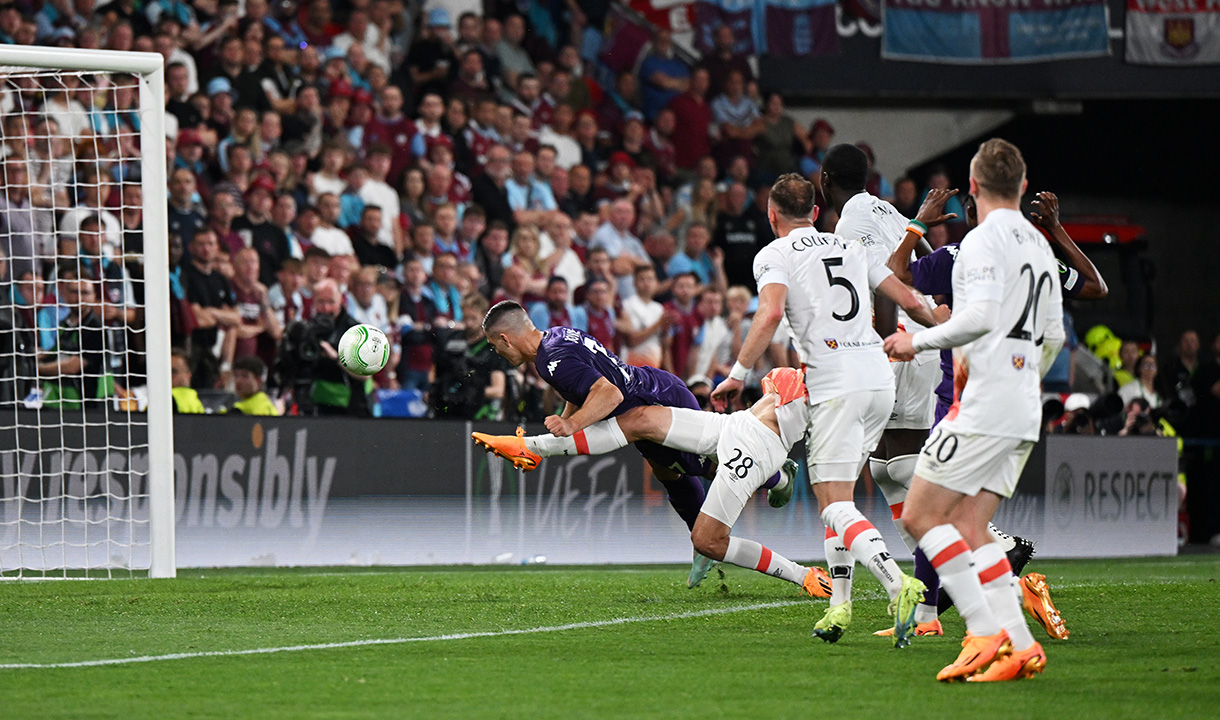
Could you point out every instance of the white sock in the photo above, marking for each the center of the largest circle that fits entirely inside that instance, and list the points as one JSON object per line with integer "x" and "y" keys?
{"x": 865, "y": 544}
{"x": 954, "y": 563}
{"x": 598, "y": 439}
{"x": 753, "y": 556}
{"x": 839, "y": 563}
{"x": 995, "y": 575}
{"x": 925, "y": 613}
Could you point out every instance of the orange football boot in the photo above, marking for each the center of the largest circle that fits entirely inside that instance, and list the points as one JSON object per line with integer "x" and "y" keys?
{"x": 510, "y": 447}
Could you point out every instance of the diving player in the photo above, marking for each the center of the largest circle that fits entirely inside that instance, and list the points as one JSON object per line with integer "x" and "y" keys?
{"x": 596, "y": 384}
{"x": 750, "y": 444}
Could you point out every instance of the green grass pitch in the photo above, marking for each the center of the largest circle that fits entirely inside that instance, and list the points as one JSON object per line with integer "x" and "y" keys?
{"x": 1143, "y": 645}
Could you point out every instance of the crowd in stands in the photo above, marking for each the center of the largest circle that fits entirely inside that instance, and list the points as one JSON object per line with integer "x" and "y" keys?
{"x": 372, "y": 161}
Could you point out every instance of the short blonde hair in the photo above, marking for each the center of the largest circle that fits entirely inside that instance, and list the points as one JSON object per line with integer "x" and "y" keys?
{"x": 999, "y": 169}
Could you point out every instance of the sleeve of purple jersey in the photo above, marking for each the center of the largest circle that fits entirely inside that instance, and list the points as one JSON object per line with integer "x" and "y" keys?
{"x": 569, "y": 371}
{"x": 933, "y": 274}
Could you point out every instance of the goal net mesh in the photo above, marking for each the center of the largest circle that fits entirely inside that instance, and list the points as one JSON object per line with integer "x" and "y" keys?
{"x": 73, "y": 435}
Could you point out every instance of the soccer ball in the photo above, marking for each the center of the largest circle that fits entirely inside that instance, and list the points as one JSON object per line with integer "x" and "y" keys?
{"x": 364, "y": 350}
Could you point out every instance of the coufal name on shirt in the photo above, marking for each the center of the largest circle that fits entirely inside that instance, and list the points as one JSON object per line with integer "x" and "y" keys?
{"x": 805, "y": 242}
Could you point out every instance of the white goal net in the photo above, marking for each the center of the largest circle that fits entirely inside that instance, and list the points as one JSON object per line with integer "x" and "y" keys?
{"x": 85, "y": 426}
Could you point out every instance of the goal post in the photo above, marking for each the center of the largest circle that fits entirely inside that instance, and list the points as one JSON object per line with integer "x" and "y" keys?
{"x": 139, "y": 534}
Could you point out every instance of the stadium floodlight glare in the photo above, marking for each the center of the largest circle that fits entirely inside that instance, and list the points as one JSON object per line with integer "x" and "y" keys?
{"x": 86, "y": 433}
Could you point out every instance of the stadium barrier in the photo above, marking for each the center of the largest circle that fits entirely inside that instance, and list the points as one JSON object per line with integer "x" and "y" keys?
{"x": 323, "y": 491}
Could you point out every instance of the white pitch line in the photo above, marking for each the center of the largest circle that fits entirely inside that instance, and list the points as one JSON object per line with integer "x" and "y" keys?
{"x": 399, "y": 641}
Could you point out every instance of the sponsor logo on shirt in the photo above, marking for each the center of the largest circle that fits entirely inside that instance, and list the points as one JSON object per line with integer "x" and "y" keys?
{"x": 981, "y": 274}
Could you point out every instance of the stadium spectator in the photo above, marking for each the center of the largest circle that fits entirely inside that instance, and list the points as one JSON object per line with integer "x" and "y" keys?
{"x": 623, "y": 247}
{"x": 1144, "y": 385}
{"x": 708, "y": 266}
{"x": 471, "y": 378}
{"x": 739, "y": 235}
{"x": 906, "y": 197}
{"x": 331, "y": 391}
{"x": 513, "y": 59}
{"x": 17, "y": 222}
{"x": 260, "y": 331}
{"x": 711, "y": 352}
{"x": 774, "y": 144}
{"x": 214, "y": 309}
{"x": 556, "y": 311}
{"x": 1128, "y": 357}
{"x": 1176, "y": 381}
{"x": 644, "y": 324}
{"x": 365, "y": 304}
{"x": 443, "y": 288}
{"x": 186, "y": 398}
{"x": 365, "y": 242}
{"x": 693, "y": 114}
{"x": 738, "y": 120}
{"x": 284, "y": 295}
{"x": 249, "y": 375}
{"x": 685, "y": 321}
{"x": 74, "y": 366}
{"x": 256, "y": 230}
{"x": 663, "y": 75}
{"x": 490, "y": 189}
{"x": 821, "y": 133}
{"x": 723, "y": 60}
{"x": 327, "y": 235}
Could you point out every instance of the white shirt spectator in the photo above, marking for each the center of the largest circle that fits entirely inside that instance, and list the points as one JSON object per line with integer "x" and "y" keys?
{"x": 376, "y": 314}
{"x": 332, "y": 240}
{"x": 380, "y": 194}
{"x": 643, "y": 314}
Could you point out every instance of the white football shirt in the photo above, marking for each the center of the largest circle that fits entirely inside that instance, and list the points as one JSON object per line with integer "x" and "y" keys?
{"x": 829, "y": 307}
{"x": 879, "y": 227}
{"x": 1005, "y": 259}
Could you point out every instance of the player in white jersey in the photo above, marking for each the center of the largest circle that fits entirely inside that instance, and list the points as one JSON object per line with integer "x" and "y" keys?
{"x": 1007, "y": 322}
{"x": 822, "y": 285}
{"x": 751, "y": 446}
{"x": 880, "y": 229}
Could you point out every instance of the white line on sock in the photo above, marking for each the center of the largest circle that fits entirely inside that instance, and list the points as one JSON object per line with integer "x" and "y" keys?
{"x": 399, "y": 641}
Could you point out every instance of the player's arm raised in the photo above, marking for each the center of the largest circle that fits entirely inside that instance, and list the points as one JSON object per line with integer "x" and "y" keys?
{"x": 931, "y": 213}
{"x": 1047, "y": 217}
{"x": 771, "y": 299}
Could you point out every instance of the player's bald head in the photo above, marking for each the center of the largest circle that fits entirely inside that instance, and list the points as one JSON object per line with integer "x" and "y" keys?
{"x": 847, "y": 167}
{"x": 506, "y": 317}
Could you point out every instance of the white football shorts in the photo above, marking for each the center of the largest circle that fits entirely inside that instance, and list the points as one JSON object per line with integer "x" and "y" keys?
{"x": 843, "y": 431}
{"x": 749, "y": 453}
{"x": 915, "y": 399}
{"x": 968, "y": 463}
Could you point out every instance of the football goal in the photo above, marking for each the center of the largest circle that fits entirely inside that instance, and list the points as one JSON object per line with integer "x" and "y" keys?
{"x": 86, "y": 434}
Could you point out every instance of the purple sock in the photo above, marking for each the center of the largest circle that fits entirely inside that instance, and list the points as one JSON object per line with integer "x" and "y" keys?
{"x": 771, "y": 482}
{"x": 686, "y": 495}
{"x": 925, "y": 573}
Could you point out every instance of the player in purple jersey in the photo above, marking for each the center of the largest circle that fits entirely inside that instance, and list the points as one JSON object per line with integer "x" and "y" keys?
{"x": 932, "y": 274}
{"x": 596, "y": 384}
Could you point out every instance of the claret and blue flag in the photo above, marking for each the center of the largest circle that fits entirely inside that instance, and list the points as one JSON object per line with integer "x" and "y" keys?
{"x": 994, "y": 31}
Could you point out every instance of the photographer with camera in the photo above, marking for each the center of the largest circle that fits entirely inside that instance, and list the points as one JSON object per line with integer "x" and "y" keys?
{"x": 308, "y": 363}
{"x": 471, "y": 378}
